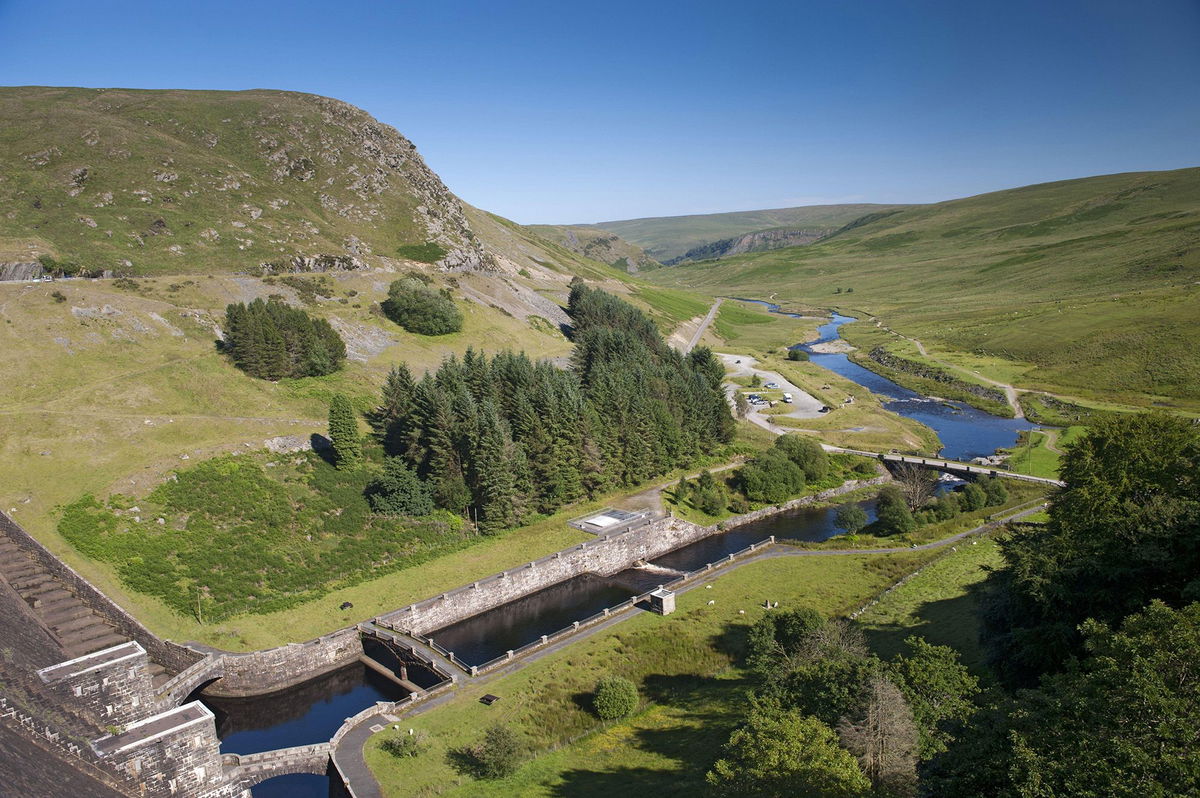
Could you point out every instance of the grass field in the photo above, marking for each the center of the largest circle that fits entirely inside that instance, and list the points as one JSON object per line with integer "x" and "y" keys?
{"x": 938, "y": 604}
{"x": 683, "y": 664}
{"x": 1035, "y": 453}
{"x": 1084, "y": 287}
{"x": 751, "y": 330}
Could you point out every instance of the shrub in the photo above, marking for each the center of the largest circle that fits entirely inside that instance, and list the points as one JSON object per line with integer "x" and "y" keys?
{"x": 806, "y": 453}
{"x": 59, "y": 296}
{"x": 771, "y": 477}
{"x": 616, "y": 697}
{"x": 851, "y": 518}
{"x": 797, "y": 354}
{"x": 499, "y": 754}
{"x": 421, "y": 309}
{"x": 428, "y": 252}
{"x": 894, "y": 516}
{"x": 405, "y": 746}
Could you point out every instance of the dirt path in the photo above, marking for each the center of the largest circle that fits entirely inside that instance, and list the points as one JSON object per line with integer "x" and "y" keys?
{"x": 1010, "y": 392}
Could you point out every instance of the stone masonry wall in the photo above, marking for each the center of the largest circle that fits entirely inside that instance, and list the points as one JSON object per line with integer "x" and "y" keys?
{"x": 606, "y": 555}
{"x": 111, "y": 686}
{"x": 166, "y": 653}
{"x": 275, "y": 669}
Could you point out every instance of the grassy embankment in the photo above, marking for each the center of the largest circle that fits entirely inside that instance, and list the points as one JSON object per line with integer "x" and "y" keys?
{"x": 1084, "y": 288}
{"x": 1038, "y": 451}
{"x": 684, "y": 664}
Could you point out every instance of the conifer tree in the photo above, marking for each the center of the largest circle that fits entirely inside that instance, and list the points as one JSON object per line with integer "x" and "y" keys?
{"x": 343, "y": 432}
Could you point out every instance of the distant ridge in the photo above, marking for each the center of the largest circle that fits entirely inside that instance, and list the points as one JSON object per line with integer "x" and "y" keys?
{"x": 667, "y": 238}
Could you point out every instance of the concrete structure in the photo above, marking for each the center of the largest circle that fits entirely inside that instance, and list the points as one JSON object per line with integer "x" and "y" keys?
{"x": 662, "y": 601}
{"x": 952, "y": 466}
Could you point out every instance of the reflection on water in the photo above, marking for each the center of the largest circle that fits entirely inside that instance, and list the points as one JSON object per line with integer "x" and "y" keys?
{"x": 490, "y": 634}
{"x": 308, "y": 713}
{"x": 299, "y": 785}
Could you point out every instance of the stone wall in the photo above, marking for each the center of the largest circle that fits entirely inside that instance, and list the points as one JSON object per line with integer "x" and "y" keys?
{"x": 276, "y": 669}
{"x": 170, "y": 655}
{"x": 606, "y": 555}
{"x": 112, "y": 685}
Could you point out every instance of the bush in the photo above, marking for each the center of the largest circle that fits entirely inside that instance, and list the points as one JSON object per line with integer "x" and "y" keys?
{"x": 851, "y": 518}
{"x": 894, "y": 516}
{"x": 421, "y": 309}
{"x": 405, "y": 746}
{"x": 499, "y": 754}
{"x": 616, "y": 697}
{"x": 428, "y": 252}
{"x": 771, "y": 477}
{"x": 797, "y": 354}
{"x": 806, "y": 453}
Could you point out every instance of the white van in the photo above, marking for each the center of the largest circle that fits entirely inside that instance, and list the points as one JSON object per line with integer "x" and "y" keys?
{"x": 787, "y": 398}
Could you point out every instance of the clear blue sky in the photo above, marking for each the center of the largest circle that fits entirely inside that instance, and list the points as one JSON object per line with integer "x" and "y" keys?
{"x": 572, "y": 112}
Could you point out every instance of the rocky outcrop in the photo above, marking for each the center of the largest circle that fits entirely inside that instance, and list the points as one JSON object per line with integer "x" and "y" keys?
{"x": 20, "y": 270}
{"x": 758, "y": 241}
{"x": 312, "y": 263}
{"x": 892, "y": 361}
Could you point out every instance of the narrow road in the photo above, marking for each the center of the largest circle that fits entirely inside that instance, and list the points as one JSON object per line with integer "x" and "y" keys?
{"x": 712, "y": 314}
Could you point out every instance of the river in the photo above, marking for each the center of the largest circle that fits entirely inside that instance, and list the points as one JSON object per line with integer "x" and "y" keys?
{"x": 964, "y": 431}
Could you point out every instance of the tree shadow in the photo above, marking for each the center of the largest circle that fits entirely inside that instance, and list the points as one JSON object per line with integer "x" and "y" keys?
{"x": 323, "y": 448}
{"x": 465, "y": 762}
{"x": 952, "y": 622}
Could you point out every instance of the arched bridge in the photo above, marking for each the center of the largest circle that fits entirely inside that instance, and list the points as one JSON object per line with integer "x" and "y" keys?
{"x": 948, "y": 465}
{"x": 250, "y": 769}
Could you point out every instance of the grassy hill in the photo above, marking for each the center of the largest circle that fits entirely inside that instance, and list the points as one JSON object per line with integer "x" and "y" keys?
{"x": 598, "y": 245}
{"x": 141, "y": 182}
{"x": 667, "y": 237}
{"x": 1087, "y": 287}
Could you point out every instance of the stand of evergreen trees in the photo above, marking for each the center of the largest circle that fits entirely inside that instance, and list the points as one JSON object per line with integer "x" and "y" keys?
{"x": 272, "y": 340}
{"x": 503, "y": 438}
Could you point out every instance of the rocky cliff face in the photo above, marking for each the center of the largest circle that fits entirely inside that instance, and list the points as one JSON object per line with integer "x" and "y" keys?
{"x": 174, "y": 181}
{"x": 753, "y": 242}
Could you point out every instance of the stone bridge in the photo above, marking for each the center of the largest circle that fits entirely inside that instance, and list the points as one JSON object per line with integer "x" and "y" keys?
{"x": 182, "y": 684}
{"x": 250, "y": 769}
{"x": 948, "y": 465}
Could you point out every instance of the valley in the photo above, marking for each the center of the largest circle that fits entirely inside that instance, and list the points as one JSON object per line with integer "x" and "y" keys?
{"x": 285, "y": 413}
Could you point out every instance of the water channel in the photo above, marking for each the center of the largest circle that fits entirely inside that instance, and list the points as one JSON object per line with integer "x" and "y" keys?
{"x": 312, "y": 712}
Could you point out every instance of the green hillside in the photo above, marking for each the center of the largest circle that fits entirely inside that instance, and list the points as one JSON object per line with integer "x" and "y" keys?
{"x": 1087, "y": 287}
{"x": 667, "y": 237}
{"x": 600, "y": 245}
{"x": 143, "y": 182}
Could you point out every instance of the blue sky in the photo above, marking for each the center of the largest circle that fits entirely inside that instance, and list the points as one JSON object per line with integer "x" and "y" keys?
{"x": 576, "y": 112}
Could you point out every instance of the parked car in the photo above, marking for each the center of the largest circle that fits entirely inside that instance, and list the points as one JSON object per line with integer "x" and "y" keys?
{"x": 787, "y": 398}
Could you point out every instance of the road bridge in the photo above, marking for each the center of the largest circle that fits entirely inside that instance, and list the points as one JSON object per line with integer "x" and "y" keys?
{"x": 947, "y": 465}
